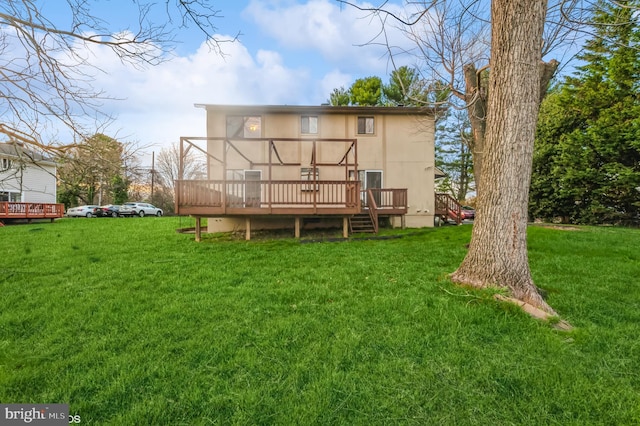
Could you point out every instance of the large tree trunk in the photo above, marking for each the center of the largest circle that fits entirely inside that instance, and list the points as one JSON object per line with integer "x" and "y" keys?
{"x": 498, "y": 250}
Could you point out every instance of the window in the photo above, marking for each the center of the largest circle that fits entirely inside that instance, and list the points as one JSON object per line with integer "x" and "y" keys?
{"x": 309, "y": 124}
{"x": 365, "y": 125}
{"x": 244, "y": 127}
{"x": 5, "y": 164}
{"x": 12, "y": 197}
{"x": 306, "y": 174}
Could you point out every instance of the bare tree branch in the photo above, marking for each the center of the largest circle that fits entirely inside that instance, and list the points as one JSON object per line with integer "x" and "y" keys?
{"x": 47, "y": 71}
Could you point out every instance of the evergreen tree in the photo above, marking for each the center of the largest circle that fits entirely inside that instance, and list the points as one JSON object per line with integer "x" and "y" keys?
{"x": 453, "y": 155}
{"x": 587, "y": 155}
{"x": 405, "y": 88}
{"x": 366, "y": 91}
{"x": 339, "y": 97}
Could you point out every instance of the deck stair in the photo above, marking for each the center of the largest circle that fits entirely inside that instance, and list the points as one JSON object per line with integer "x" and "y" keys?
{"x": 361, "y": 223}
{"x": 448, "y": 207}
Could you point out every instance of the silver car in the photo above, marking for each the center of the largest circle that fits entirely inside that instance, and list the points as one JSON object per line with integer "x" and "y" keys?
{"x": 140, "y": 209}
{"x": 83, "y": 211}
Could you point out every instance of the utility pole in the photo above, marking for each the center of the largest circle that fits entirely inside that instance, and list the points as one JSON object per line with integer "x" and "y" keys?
{"x": 153, "y": 172}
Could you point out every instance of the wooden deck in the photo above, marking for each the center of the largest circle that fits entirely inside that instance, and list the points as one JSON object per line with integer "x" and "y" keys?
{"x": 241, "y": 181}
{"x": 216, "y": 198}
{"x": 297, "y": 199}
{"x": 29, "y": 211}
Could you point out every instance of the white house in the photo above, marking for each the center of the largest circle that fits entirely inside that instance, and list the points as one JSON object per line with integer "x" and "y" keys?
{"x": 26, "y": 176}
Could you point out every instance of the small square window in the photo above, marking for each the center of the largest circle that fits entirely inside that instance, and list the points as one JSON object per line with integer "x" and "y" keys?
{"x": 365, "y": 126}
{"x": 309, "y": 124}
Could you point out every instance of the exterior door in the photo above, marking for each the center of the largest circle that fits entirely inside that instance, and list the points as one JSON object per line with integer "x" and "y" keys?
{"x": 372, "y": 179}
{"x": 252, "y": 197}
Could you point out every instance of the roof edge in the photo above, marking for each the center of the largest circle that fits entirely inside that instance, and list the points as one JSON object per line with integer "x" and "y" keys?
{"x": 319, "y": 109}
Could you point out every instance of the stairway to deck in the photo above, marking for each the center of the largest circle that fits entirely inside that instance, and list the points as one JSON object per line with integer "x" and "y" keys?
{"x": 361, "y": 223}
{"x": 448, "y": 207}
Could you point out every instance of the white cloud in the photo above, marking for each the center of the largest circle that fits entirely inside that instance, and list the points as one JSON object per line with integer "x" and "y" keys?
{"x": 156, "y": 104}
{"x": 344, "y": 36}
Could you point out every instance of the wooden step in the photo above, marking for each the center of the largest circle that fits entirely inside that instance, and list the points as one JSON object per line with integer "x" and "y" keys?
{"x": 361, "y": 223}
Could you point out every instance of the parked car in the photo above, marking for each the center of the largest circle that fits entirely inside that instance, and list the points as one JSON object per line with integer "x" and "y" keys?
{"x": 469, "y": 212}
{"x": 140, "y": 209}
{"x": 83, "y": 211}
{"x": 110, "y": 210}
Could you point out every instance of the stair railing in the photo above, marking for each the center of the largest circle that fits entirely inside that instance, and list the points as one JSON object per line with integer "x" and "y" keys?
{"x": 448, "y": 206}
{"x": 373, "y": 210}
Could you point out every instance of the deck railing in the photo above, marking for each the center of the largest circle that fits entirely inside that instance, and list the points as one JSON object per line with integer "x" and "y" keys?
{"x": 373, "y": 209}
{"x": 387, "y": 199}
{"x": 10, "y": 210}
{"x": 266, "y": 194}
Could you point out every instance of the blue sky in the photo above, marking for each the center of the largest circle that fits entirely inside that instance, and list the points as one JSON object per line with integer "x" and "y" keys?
{"x": 291, "y": 52}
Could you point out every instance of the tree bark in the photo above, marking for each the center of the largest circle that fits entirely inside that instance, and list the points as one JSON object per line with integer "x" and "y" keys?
{"x": 498, "y": 249}
{"x": 476, "y": 101}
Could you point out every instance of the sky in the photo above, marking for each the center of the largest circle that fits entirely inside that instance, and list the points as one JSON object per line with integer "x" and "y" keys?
{"x": 292, "y": 52}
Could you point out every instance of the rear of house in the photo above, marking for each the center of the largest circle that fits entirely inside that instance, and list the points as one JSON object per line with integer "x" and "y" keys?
{"x": 318, "y": 163}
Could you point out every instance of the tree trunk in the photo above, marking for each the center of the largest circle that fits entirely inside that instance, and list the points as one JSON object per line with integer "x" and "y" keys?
{"x": 498, "y": 250}
{"x": 476, "y": 101}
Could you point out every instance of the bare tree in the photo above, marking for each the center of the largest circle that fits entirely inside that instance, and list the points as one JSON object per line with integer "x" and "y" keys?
{"x": 168, "y": 171}
{"x": 45, "y": 81}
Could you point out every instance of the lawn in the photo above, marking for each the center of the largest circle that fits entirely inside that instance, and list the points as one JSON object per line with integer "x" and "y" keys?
{"x": 131, "y": 323}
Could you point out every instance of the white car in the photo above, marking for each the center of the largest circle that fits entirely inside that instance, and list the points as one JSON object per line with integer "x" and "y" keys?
{"x": 140, "y": 209}
{"x": 83, "y": 211}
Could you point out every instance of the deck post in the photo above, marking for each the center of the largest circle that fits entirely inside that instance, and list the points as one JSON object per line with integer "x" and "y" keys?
{"x": 403, "y": 222}
{"x": 247, "y": 225}
{"x": 198, "y": 229}
{"x": 345, "y": 227}
{"x": 297, "y": 227}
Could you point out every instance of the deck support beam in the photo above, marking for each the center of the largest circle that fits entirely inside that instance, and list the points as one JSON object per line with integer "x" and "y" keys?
{"x": 345, "y": 227}
{"x": 247, "y": 228}
{"x": 198, "y": 229}
{"x": 297, "y": 227}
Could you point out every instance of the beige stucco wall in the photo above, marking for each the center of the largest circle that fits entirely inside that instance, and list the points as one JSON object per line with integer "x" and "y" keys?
{"x": 402, "y": 147}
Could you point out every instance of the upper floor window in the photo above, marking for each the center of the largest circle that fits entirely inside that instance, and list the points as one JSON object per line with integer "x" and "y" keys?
{"x": 309, "y": 124}
{"x": 244, "y": 127}
{"x": 365, "y": 126}
{"x": 5, "y": 164}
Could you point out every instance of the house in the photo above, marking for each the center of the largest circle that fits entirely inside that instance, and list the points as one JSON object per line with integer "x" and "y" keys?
{"x": 27, "y": 184}
{"x": 298, "y": 166}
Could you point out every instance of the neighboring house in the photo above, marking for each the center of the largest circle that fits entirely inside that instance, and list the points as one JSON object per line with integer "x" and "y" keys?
{"x": 268, "y": 165}
{"x": 25, "y": 176}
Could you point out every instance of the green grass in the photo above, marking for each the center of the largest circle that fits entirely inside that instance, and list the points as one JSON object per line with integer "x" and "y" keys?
{"x": 131, "y": 323}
